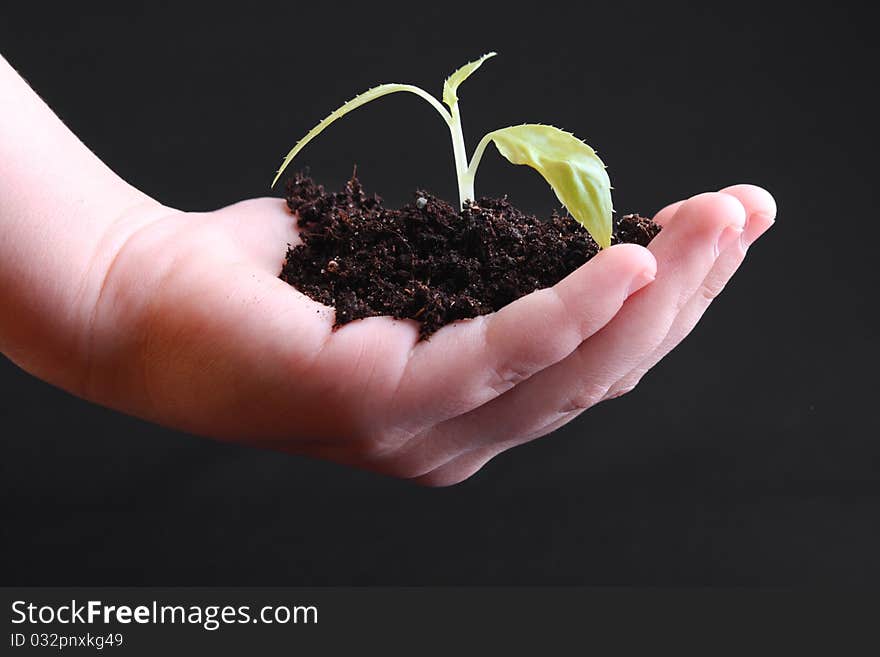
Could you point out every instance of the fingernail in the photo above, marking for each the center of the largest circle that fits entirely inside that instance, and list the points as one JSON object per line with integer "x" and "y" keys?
{"x": 759, "y": 223}
{"x": 728, "y": 236}
{"x": 640, "y": 281}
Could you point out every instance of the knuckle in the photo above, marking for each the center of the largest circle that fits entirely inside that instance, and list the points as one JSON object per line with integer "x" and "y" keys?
{"x": 620, "y": 391}
{"x": 579, "y": 322}
{"x": 583, "y": 399}
{"x": 710, "y": 290}
{"x": 503, "y": 378}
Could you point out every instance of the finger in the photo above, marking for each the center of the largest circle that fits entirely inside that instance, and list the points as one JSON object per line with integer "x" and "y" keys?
{"x": 469, "y": 462}
{"x": 759, "y": 204}
{"x": 685, "y": 251}
{"x": 459, "y": 468}
{"x": 761, "y": 212}
{"x": 667, "y": 213}
{"x": 466, "y": 364}
{"x": 259, "y": 231}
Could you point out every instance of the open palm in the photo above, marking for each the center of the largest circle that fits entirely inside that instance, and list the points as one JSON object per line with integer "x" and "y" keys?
{"x": 193, "y": 329}
{"x": 180, "y": 318}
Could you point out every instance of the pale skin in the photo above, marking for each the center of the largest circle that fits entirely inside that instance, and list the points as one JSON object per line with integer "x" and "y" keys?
{"x": 180, "y": 318}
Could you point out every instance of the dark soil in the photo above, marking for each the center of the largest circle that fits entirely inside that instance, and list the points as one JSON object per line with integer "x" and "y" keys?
{"x": 429, "y": 261}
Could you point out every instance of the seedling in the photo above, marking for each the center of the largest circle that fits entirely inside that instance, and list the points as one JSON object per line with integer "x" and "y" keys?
{"x": 571, "y": 167}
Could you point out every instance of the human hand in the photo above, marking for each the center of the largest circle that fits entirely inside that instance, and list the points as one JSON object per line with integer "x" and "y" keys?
{"x": 194, "y": 330}
{"x": 180, "y": 318}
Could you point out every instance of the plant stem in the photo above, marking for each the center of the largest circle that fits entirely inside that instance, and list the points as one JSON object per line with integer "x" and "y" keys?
{"x": 465, "y": 182}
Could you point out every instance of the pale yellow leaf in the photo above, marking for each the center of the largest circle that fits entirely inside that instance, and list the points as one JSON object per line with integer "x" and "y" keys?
{"x": 450, "y": 86}
{"x": 574, "y": 171}
{"x": 354, "y": 103}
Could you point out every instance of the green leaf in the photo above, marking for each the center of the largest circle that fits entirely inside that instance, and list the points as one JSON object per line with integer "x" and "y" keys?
{"x": 354, "y": 103}
{"x": 450, "y": 86}
{"x": 574, "y": 171}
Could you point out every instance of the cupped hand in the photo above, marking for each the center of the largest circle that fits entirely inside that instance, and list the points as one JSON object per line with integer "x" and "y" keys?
{"x": 193, "y": 329}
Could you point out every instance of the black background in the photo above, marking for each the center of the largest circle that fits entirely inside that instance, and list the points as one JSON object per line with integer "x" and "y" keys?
{"x": 748, "y": 457}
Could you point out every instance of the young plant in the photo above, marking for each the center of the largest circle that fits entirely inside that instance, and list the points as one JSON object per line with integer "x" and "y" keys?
{"x": 571, "y": 167}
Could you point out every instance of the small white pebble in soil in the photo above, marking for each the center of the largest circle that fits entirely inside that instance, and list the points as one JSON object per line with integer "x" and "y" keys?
{"x": 421, "y": 202}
